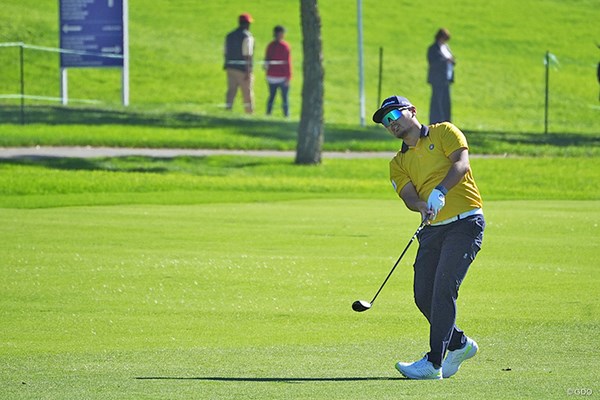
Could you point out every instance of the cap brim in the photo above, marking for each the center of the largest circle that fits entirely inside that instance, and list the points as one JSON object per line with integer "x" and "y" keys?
{"x": 379, "y": 114}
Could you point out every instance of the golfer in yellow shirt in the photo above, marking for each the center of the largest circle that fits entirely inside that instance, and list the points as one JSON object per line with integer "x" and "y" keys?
{"x": 432, "y": 175}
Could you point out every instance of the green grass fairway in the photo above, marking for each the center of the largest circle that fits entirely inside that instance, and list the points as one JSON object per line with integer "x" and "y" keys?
{"x": 232, "y": 277}
{"x": 252, "y": 300}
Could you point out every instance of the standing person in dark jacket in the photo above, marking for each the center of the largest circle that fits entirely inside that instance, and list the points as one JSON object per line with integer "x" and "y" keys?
{"x": 598, "y": 71}
{"x": 440, "y": 75}
{"x": 239, "y": 52}
{"x": 278, "y": 63}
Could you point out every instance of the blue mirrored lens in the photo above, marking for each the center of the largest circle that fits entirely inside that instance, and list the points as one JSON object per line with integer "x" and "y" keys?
{"x": 391, "y": 117}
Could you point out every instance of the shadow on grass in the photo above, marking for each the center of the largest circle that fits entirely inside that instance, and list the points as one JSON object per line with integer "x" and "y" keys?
{"x": 187, "y": 164}
{"x": 84, "y": 164}
{"x": 273, "y": 129}
{"x": 479, "y": 139}
{"x": 282, "y": 379}
{"x": 278, "y": 130}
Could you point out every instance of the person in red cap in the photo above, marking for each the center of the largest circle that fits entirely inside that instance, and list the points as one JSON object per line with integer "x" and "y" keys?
{"x": 239, "y": 52}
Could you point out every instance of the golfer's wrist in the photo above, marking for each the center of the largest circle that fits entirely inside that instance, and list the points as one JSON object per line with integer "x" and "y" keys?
{"x": 442, "y": 189}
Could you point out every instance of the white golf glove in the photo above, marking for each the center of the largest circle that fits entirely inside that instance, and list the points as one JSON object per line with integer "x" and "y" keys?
{"x": 436, "y": 201}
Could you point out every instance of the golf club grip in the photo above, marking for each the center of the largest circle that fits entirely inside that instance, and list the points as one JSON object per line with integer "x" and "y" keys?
{"x": 423, "y": 223}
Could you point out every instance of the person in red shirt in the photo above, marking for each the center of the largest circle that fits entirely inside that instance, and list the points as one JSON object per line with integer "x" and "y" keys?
{"x": 278, "y": 63}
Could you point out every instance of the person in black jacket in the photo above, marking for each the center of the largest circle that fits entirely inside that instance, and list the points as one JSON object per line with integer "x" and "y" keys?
{"x": 239, "y": 52}
{"x": 598, "y": 71}
{"x": 440, "y": 75}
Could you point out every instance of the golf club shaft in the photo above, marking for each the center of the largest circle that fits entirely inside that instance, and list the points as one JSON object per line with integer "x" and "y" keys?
{"x": 423, "y": 223}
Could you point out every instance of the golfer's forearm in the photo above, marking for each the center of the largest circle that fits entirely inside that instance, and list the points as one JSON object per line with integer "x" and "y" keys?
{"x": 411, "y": 198}
{"x": 458, "y": 169}
{"x": 455, "y": 174}
{"x": 417, "y": 206}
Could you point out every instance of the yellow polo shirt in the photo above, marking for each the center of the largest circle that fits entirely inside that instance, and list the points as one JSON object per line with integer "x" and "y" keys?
{"x": 427, "y": 164}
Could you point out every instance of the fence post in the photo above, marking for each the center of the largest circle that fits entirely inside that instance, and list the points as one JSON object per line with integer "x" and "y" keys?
{"x": 547, "y": 90}
{"x": 361, "y": 65}
{"x": 380, "y": 76}
{"x": 64, "y": 87}
{"x": 22, "y": 77}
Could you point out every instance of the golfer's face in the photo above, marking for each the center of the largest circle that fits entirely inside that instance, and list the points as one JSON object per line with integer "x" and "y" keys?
{"x": 401, "y": 123}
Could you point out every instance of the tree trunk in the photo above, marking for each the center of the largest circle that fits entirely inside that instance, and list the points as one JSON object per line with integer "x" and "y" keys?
{"x": 310, "y": 130}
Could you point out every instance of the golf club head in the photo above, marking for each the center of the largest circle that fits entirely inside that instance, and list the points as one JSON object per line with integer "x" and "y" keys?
{"x": 361, "y": 305}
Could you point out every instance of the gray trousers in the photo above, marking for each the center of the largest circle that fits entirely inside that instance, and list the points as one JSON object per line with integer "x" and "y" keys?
{"x": 443, "y": 259}
{"x": 440, "y": 106}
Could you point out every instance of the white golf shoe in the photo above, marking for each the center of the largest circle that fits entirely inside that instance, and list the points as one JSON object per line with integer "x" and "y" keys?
{"x": 421, "y": 369}
{"x": 454, "y": 358}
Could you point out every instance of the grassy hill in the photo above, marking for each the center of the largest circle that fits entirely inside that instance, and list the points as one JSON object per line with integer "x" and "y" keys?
{"x": 176, "y": 58}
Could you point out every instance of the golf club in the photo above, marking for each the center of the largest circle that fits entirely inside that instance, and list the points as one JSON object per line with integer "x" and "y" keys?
{"x": 361, "y": 305}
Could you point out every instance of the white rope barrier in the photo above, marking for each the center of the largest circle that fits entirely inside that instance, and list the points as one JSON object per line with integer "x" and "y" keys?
{"x": 45, "y": 98}
{"x": 59, "y": 50}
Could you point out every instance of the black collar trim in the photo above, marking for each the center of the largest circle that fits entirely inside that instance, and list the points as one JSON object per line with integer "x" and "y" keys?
{"x": 424, "y": 133}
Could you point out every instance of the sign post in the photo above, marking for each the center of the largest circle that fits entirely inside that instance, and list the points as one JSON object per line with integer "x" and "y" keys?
{"x": 361, "y": 67}
{"x": 95, "y": 35}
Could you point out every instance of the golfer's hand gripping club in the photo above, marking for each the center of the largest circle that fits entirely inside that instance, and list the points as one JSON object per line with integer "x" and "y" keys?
{"x": 436, "y": 201}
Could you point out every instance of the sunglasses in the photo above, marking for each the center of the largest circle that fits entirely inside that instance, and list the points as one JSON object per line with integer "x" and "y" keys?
{"x": 392, "y": 116}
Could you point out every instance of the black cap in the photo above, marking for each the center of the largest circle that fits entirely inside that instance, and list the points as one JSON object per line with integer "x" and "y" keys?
{"x": 391, "y": 103}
